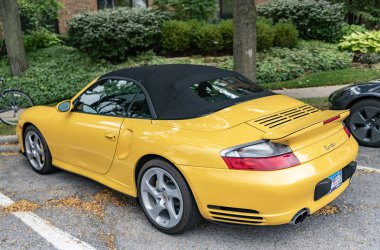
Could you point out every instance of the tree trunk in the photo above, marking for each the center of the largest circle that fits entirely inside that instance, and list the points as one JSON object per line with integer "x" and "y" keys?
{"x": 245, "y": 38}
{"x": 13, "y": 36}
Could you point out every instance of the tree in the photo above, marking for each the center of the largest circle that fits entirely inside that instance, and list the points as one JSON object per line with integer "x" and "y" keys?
{"x": 361, "y": 10}
{"x": 14, "y": 43}
{"x": 39, "y": 13}
{"x": 245, "y": 38}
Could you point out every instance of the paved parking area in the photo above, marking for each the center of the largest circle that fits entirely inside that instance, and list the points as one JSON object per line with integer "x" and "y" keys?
{"x": 91, "y": 214}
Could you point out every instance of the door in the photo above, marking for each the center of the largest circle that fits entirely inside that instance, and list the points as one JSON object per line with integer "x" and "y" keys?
{"x": 87, "y": 136}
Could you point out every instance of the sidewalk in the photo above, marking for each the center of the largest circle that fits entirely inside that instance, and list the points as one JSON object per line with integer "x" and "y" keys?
{"x": 310, "y": 92}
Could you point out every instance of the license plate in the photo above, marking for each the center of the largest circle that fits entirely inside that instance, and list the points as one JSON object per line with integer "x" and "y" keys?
{"x": 336, "y": 180}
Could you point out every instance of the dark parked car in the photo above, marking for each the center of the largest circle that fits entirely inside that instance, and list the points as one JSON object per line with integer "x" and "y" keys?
{"x": 364, "y": 102}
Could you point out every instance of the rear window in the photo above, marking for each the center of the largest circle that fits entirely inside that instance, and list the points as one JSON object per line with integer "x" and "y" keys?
{"x": 222, "y": 89}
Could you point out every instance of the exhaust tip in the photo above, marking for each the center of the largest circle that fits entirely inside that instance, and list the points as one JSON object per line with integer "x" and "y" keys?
{"x": 300, "y": 216}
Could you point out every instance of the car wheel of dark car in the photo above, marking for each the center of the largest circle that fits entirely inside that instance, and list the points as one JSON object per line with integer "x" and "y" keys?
{"x": 364, "y": 122}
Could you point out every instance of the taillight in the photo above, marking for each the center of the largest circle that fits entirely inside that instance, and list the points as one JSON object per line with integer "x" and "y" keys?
{"x": 347, "y": 131}
{"x": 261, "y": 156}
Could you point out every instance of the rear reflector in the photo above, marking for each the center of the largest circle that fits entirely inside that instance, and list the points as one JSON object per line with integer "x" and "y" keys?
{"x": 331, "y": 119}
{"x": 347, "y": 131}
{"x": 262, "y": 164}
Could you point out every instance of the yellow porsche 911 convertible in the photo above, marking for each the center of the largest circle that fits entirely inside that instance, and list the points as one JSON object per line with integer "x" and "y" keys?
{"x": 196, "y": 141}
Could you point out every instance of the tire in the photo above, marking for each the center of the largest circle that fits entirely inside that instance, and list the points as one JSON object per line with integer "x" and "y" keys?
{"x": 169, "y": 204}
{"x": 37, "y": 151}
{"x": 364, "y": 122}
{"x": 12, "y": 104}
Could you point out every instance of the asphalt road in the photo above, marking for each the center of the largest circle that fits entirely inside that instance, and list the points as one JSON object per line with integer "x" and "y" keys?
{"x": 111, "y": 220}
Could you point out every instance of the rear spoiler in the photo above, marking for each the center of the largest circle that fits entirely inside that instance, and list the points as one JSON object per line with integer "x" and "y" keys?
{"x": 304, "y": 125}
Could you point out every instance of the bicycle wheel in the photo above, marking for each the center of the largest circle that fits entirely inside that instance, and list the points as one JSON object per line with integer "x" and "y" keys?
{"x": 12, "y": 104}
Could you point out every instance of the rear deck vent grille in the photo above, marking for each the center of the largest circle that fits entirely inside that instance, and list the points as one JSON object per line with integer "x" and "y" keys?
{"x": 235, "y": 215}
{"x": 286, "y": 116}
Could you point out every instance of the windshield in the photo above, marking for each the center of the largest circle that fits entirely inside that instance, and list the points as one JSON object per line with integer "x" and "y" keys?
{"x": 222, "y": 89}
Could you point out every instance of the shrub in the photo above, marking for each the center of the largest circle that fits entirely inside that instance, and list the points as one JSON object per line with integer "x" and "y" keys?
{"x": 349, "y": 29}
{"x": 39, "y": 39}
{"x": 286, "y": 35}
{"x": 315, "y": 19}
{"x": 59, "y": 72}
{"x": 208, "y": 39}
{"x": 363, "y": 42}
{"x": 115, "y": 34}
{"x": 189, "y": 9}
{"x": 40, "y": 13}
{"x": 176, "y": 36}
{"x": 264, "y": 35}
{"x": 227, "y": 31}
{"x": 283, "y": 64}
{"x": 367, "y": 58}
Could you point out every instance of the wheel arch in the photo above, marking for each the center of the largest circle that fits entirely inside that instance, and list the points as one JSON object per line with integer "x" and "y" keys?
{"x": 362, "y": 98}
{"x": 146, "y": 158}
{"x": 24, "y": 127}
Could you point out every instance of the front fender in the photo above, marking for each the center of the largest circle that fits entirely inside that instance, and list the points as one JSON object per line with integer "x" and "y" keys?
{"x": 38, "y": 116}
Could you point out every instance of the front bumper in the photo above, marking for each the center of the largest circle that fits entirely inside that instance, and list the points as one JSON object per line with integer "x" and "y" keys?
{"x": 266, "y": 197}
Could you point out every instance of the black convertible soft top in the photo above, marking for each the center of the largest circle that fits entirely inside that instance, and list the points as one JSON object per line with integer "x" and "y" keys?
{"x": 168, "y": 87}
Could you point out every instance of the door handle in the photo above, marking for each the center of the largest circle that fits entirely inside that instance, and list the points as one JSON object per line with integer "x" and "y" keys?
{"x": 110, "y": 136}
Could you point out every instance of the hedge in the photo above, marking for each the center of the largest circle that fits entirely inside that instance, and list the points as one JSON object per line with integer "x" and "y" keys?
{"x": 192, "y": 37}
{"x": 116, "y": 34}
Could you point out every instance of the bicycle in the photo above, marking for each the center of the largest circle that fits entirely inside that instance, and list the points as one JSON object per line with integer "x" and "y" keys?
{"x": 12, "y": 103}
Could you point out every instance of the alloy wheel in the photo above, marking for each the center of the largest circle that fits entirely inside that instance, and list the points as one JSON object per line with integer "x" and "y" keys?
{"x": 365, "y": 124}
{"x": 161, "y": 197}
{"x": 34, "y": 150}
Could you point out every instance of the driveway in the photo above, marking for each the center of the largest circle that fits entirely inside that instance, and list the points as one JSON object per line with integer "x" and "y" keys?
{"x": 96, "y": 217}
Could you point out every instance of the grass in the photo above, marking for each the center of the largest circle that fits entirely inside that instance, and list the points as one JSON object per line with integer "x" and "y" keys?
{"x": 7, "y": 129}
{"x": 328, "y": 78}
{"x": 318, "y": 102}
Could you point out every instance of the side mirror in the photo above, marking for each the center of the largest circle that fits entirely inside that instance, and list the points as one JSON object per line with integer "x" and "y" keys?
{"x": 64, "y": 106}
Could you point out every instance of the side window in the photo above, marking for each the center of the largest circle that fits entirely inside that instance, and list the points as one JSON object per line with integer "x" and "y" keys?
{"x": 139, "y": 108}
{"x": 108, "y": 97}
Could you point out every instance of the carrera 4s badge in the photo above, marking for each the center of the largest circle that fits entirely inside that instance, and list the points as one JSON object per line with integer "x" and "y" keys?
{"x": 330, "y": 146}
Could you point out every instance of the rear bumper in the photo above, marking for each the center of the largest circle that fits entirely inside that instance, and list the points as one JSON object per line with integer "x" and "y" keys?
{"x": 267, "y": 197}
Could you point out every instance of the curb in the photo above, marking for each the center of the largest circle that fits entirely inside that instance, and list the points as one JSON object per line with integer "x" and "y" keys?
{"x": 8, "y": 139}
{"x": 9, "y": 144}
{"x": 7, "y": 149}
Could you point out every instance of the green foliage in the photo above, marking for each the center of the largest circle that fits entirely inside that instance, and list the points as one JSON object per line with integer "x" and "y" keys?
{"x": 264, "y": 35}
{"x": 176, "y": 36}
{"x": 349, "y": 29}
{"x": 286, "y": 35}
{"x": 115, "y": 34}
{"x": 282, "y": 64}
{"x": 57, "y": 73}
{"x": 227, "y": 31}
{"x": 208, "y": 39}
{"x": 39, "y": 39}
{"x": 54, "y": 74}
{"x": 359, "y": 10}
{"x": 200, "y": 37}
{"x": 39, "y": 12}
{"x": 204, "y": 10}
{"x": 328, "y": 78}
{"x": 315, "y": 19}
{"x": 363, "y": 42}
{"x": 367, "y": 58}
